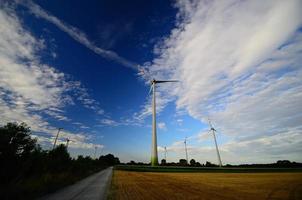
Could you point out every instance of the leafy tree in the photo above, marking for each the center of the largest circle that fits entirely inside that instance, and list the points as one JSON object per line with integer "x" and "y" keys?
{"x": 183, "y": 162}
{"x": 209, "y": 164}
{"x": 163, "y": 162}
{"x": 16, "y": 145}
{"x": 109, "y": 160}
{"x": 192, "y": 162}
{"x": 15, "y": 141}
{"x": 198, "y": 164}
{"x": 58, "y": 159}
{"x": 283, "y": 163}
{"x": 131, "y": 162}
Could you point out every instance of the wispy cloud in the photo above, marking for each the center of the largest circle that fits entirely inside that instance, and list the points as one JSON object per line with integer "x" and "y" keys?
{"x": 77, "y": 35}
{"x": 29, "y": 89}
{"x": 240, "y": 63}
{"x": 162, "y": 125}
{"x": 108, "y": 122}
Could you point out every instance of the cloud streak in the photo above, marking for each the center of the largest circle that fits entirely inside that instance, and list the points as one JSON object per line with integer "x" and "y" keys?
{"x": 78, "y": 35}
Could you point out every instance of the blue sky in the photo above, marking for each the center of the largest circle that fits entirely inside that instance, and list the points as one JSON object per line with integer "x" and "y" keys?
{"x": 85, "y": 66}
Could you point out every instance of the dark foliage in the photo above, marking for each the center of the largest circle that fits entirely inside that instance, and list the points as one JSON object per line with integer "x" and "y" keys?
{"x": 163, "y": 162}
{"x": 192, "y": 162}
{"x": 27, "y": 171}
{"x": 183, "y": 162}
{"x": 209, "y": 164}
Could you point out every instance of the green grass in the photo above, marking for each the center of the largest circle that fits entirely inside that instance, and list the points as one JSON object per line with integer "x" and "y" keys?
{"x": 203, "y": 169}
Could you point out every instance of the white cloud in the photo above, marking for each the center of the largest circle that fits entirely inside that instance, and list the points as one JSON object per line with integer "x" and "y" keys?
{"x": 162, "y": 126}
{"x": 109, "y": 122}
{"x": 180, "y": 122}
{"x": 240, "y": 63}
{"x": 29, "y": 89}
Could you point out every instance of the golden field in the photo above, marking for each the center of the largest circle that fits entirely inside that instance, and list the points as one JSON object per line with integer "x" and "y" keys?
{"x": 150, "y": 185}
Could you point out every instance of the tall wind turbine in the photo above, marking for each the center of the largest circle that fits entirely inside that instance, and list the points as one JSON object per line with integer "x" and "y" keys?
{"x": 217, "y": 151}
{"x": 54, "y": 144}
{"x": 154, "y": 155}
{"x": 186, "y": 150}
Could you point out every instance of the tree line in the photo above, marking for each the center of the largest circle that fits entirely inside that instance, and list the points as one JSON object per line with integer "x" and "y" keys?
{"x": 193, "y": 163}
{"x": 27, "y": 171}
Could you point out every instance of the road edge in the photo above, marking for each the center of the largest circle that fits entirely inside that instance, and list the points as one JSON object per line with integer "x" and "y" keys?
{"x": 109, "y": 182}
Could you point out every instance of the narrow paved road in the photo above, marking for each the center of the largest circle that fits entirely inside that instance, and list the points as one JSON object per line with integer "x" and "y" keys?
{"x": 93, "y": 187}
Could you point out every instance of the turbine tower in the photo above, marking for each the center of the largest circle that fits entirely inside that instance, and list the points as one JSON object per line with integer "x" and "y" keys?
{"x": 217, "y": 151}
{"x": 186, "y": 150}
{"x": 54, "y": 144}
{"x": 154, "y": 155}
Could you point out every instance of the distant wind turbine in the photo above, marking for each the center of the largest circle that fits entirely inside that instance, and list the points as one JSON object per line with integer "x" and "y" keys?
{"x": 55, "y": 143}
{"x": 186, "y": 150}
{"x": 217, "y": 150}
{"x": 154, "y": 155}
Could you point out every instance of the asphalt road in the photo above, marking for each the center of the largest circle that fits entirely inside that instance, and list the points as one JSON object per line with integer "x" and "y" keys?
{"x": 93, "y": 187}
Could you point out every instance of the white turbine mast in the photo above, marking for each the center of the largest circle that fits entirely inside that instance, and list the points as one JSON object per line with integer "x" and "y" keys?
{"x": 154, "y": 154}
{"x": 213, "y": 130}
{"x": 186, "y": 150}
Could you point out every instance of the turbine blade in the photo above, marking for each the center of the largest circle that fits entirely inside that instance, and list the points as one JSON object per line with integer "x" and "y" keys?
{"x": 151, "y": 88}
{"x": 210, "y": 123}
{"x": 166, "y": 81}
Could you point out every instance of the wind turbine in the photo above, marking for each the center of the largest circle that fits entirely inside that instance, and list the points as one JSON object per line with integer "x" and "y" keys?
{"x": 217, "y": 151}
{"x": 154, "y": 155}
{"x": 54, "y": 144}
{"x": 186, "y": 150}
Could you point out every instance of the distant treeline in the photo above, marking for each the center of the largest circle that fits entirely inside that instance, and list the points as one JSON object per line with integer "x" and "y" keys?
{"x": 193, "y": 163}
{"x": 27, "y": 171}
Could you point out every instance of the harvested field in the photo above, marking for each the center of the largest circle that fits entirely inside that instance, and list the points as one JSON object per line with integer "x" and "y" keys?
{"x": 150, "y": 185}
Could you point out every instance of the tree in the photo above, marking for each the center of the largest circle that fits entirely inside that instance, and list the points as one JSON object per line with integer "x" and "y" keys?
{"x": 163, "y": 162}
{"x": 198, "y": 164}
{"x": 16, "y": 145}
{"x": 131, "y": 162}
{"x": 109, "y": 160}
{"x": 192, "y": 162}
{"x": 15, "y": 141}
{"x": 183, "y": 162}
{"x": 59, "y": 159}
{"x": 283, "y": 162}
{"x": 209, "y": 164}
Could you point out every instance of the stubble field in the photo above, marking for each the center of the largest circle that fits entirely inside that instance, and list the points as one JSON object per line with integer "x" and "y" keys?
{"x": 249, "y": 186}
